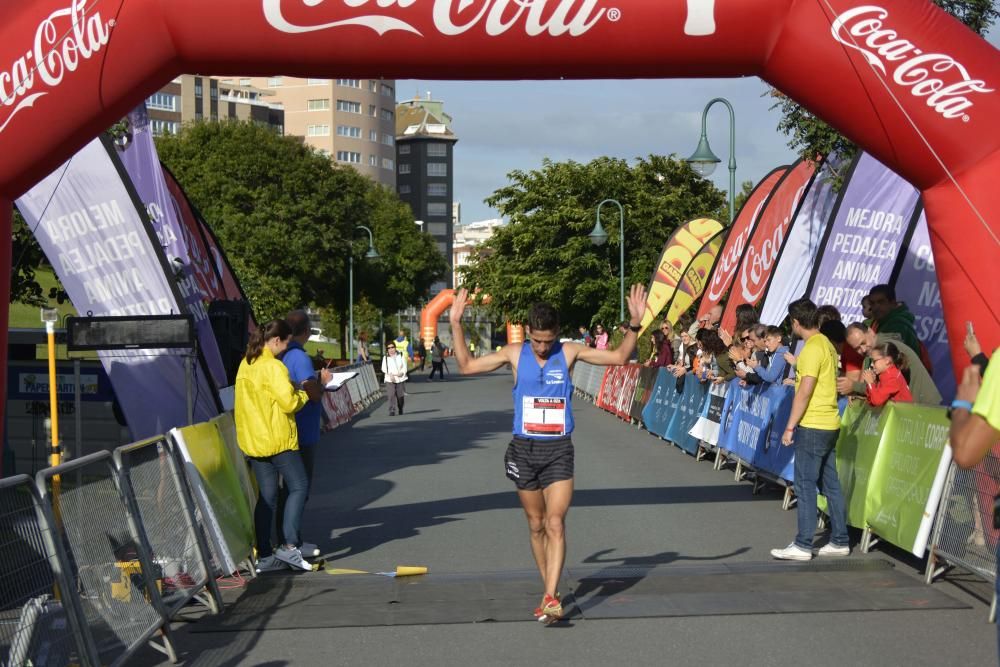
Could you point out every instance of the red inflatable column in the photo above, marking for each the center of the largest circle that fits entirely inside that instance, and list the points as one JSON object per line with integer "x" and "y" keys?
{"x": 6, "y": 234}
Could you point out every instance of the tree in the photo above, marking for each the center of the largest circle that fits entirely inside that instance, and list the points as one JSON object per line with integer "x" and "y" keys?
{"x": 27, "y": 257}
{"x": 809, "y": 136}
{"x": 544, "y": 254}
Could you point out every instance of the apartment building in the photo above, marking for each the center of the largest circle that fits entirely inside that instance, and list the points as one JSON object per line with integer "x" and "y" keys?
{"x": 351, "y": 120}
{"x": 425, "y": 146}
{"x": 466, "y": 238}
{"x": 191, "y": 97}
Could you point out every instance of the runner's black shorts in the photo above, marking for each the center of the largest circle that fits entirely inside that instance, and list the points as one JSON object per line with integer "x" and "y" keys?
{"x": 536, "y": 464}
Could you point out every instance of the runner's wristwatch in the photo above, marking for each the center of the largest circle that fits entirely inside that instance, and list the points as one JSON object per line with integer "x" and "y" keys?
{"x": 959, "y": 404}
{"x": 635, "y": 328}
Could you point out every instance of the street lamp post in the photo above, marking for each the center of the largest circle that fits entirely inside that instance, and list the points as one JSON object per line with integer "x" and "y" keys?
{"x": 371, "y": 254}
{"x": 704, "y": 160}
{"x": 599, "y": 237}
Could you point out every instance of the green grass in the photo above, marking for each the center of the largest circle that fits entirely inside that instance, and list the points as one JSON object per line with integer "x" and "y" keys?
{"x": 23, "y": 316}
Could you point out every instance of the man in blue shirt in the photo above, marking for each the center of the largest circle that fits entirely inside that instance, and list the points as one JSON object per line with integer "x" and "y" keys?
{"x": 307, "y": 420}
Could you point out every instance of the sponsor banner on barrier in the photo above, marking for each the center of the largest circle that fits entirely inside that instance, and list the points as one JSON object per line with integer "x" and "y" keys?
{"x": 710, "y": 419}
{"x": 869, "y": 229}
{"x": 630, "y": 378}
{"x": 736, "y": 240}
{"x": 917, "y": 286}
{"x": 643, "y": 390}
{"x": 802, "y": 246}
{"x": 337, "y": 407}
{"x": 678, "y": 252}
{"x": 857, "y": 447}
{"x": 695, "y": 278}
{"x": 913, "y": 443}
{"x": 767, "y": 240}
{"x": 686, "y": 413}
{"x": 662, "y": 402}
{"x": 143, "y": 166}
{"x": 774, "y": 458}
{"x": 101, "y": 246}
{"x": 216, "y": 486}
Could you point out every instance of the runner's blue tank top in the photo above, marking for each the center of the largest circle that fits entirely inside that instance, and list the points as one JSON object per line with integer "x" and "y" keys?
{"x": 543, "y": 397}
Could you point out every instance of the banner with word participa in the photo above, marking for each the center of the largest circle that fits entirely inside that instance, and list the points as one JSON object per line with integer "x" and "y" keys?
{"x": 143, "y": 167}
{"x": 802, "y": 245}
{"x": 767, "y": 239}
{"x": 695, "y": 278}
{"x": 863, "y": 242}
{"x": 917, "y": 286}
{"x": 681, "y": 248}
{"x": 739, "y": 231}
{"x": 102, "y": 247}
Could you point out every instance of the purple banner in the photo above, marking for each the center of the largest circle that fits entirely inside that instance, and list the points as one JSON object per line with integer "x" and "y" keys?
{"x": 88, "y": 226}
{"x": 143, "y": 167}
{"x": 917, "y": 285}
{"x": 865, "y": 238}
{"x": 798, "y": 255}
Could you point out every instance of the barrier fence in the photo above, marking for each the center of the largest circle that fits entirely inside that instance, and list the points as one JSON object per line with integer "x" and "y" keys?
{"x": 894, "y": 463}
{"x": 359, "y": 392}
{"x": 101, "y": 552}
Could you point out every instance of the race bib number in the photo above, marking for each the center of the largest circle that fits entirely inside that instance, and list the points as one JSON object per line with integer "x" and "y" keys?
{"x": 543, "y": 416}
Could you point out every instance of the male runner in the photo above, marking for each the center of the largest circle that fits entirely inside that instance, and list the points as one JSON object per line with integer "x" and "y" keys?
{"x": 539, "y": 459}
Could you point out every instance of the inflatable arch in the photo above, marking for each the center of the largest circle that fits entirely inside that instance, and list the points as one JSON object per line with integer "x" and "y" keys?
{"x": 431, "y": 312}
{"x": 904, "y": 80}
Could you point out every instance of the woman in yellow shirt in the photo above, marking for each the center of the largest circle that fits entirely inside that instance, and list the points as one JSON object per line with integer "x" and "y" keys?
{"x": 265, "y": 407}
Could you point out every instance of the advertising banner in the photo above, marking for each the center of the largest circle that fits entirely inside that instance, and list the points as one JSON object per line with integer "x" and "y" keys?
{"x": 870, "y": 225}
{"x": 337, "y": 408}
{"x": 736, "y": 239}
{"x": 710, "y": 419}
{"x": 917, "y": 286}
{"x": 790, "y": 278}
{"x": 227, "y": 430}
{"x": 681, "y": 248}
{"x": 746, "y": 420}
{"x": 662, "y": 402}
{"x": 774, "y": 458}
{"x": 857, "y": 446}
{"x": 630, "y": 378}
{"x": 908, "y": 466}
{"x": 686, "y": 412}
{"x": 102, "y": 247}
{"x": 695, "y": 278}
{"x": 643, "y": 390}
{"x": 143, "y": 166}
{"x": 217, "y": 489}
{"x": 767, "y": 240}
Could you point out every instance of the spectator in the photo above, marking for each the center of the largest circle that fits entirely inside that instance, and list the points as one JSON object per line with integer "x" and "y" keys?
{"x": 709, "y": 320}
{"x": 622, "y": 332}
{"x": 836, "y": 333}
{"x": 813, "y": 427}
{"x": 420, "y": 353}
{"x": 866, "y": 309}
{"x": 663, "y": 351}
{"x": 666, "y": 349}
{"x": 746, "y": 317}
{"x": 771, "y": 368}
{"x": 893, "y": 317}
{"x": 265, "y": 407}
{"x": 585, "y": 336}
{"x": 715, "y": 362}
{"x": 863, "y": 339}
{"x": 363, "y": 355}
{"x": 437, "y": 359}
{"x": 884, "y": 380}
{"x": 394, "y": 370}
{"x": 600, "y": 338}
{"x": 974, "y": 350}
{"x": 403, "y": 346}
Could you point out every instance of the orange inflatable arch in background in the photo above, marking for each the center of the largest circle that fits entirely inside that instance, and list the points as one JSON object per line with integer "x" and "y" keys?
{"x": 908, "y": 83}
{"x": 431, "y": 313}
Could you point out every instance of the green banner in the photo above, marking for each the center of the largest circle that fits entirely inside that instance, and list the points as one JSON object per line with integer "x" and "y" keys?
{"x": 913, "y": 441}
{"x": 857, "y": 448}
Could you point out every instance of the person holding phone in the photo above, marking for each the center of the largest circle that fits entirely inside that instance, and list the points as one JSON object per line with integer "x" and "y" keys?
{"x": 974, "y": 350}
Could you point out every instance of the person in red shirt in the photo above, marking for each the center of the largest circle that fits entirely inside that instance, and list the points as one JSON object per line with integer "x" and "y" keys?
{"x": 884, "y": 380}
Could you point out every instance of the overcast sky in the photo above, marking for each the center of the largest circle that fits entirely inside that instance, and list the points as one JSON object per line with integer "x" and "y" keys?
{"x": 502, "y": 126}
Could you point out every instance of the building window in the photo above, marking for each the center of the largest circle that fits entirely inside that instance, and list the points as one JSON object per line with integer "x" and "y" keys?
{"x": 388, "y": 91}
{"x": 349, "y": 156}
{"x": 245, "y": 83}
{"x": 275, "y": 82}
{"x": 388, "y": 140}
{"x": 442, "y": 247}
{"x": 162, "y": 101}
{"x": 373, "y": 111}
{"x": 373, "y": 85}
{"x": 198, "y": 115}
{"x": 388, "y": 114}
{"x": 404, "y": 167}
{"x": 437, "y": 209}
{"x": 213, "y": 92}
{"x": 373, "y": 136}
{"x": 404, "y": 189}
{"x": 348, "y": 106}
{"x": 436, "y": 228}
{"x": 372, "y": 161}
{"x": 198, "y": 90}
{"x": 163, "y": 126}
{"x": 404, "y": 149}
{"x": 437, "y": 189}
{"x": 437, "y": 150}
{"x": 318, "y": 105}
{"x": 349, "y": 83}
{"x": 437, "y": 168}
{"x": 349, "y": 131}
{"x": 316, "y": 82}
{"x": 318, "y": 131}
{"x": 388, "y": 164}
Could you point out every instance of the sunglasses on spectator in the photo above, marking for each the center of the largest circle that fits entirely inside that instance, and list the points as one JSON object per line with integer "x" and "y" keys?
{"x": 745, "y": 338}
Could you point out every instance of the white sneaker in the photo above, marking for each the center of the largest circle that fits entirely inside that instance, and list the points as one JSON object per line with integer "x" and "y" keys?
{"x": 270, "y": 564}
{"x": 293, "y": 557}
{"x": 831, "y": 549}
{"x": 792, "y": 552}
{"x": 309, "y": 550}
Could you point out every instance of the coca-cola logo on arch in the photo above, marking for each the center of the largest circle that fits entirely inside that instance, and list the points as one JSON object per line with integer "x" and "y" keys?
{"x": 62, "y": 42}
{"x": 938, "y": 77}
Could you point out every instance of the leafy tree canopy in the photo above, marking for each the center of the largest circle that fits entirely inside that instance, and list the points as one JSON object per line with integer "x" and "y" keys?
{"x": 544, "y": 253}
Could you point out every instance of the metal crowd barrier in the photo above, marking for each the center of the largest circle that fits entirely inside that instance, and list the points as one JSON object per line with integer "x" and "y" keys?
{"x": 153, "y": 474}
{"x": 107, "y": 557}
{"x": 39, "y": 609}
{"x": 963, "y": 534}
